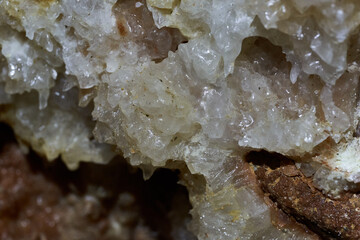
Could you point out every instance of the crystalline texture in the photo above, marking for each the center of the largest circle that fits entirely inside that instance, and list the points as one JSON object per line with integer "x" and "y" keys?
{"x": 190, "y": 81}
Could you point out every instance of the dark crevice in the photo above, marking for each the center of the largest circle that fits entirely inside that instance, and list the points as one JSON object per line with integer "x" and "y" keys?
{"x": 154, "y": 200}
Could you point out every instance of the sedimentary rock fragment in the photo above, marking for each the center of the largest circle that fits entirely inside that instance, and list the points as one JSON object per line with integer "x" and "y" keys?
{"x": 296, "y": 194}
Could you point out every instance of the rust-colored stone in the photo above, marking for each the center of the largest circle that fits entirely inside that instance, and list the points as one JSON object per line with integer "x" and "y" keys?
{"x": 295, "y": 194}
{"x": 245, "y": 176}
{"x": 121, "y": 28}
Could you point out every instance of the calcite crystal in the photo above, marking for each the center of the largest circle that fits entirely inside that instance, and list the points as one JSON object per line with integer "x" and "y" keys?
{"x": 194, "y": 85}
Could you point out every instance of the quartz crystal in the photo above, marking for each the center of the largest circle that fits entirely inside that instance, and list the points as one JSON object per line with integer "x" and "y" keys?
{"x": 193, "y": 85}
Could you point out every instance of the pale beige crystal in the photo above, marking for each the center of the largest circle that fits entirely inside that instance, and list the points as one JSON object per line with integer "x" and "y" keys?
{"x": 275, "y": 75}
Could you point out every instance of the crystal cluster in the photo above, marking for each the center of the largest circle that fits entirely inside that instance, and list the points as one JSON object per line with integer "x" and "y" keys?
{"x": 200, "y": 82}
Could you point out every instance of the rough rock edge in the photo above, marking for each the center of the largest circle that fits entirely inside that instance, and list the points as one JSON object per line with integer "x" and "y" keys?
{"x": 296, "y": 195}
{"x": 278, "y": 218}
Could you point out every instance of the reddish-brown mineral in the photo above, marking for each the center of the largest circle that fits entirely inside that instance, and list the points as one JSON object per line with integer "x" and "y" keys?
{"x": 295, "y": 193}
{"x": 41, "y": 201}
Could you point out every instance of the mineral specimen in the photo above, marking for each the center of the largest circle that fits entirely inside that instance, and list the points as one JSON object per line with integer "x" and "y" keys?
{"x": 41, "y": 200}
{"x": 195, "y": 85}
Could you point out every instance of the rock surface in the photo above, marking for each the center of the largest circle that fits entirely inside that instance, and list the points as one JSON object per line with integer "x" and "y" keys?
{"x": 297, "y": 195}
{"x": 193, "y": 85}
{"x": 39, "y": 200}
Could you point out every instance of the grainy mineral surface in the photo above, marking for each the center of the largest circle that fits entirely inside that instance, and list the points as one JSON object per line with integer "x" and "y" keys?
{"x": 193, "y": 85}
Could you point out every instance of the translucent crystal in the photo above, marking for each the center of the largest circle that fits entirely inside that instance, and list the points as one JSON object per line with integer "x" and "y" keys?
{"x": 191, "y": 81}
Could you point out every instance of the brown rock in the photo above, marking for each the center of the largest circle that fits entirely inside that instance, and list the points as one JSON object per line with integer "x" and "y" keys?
{"x": 295, "y": 194}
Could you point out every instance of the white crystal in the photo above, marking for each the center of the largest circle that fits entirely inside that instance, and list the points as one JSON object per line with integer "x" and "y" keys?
{"x": 275, "y": 75}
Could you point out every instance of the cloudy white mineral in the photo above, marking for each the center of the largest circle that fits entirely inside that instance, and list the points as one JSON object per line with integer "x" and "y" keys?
{"x": 202, "y": 82}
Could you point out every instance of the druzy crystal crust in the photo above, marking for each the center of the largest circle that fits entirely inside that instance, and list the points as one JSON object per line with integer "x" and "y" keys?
{"x": 189, "y": 84}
